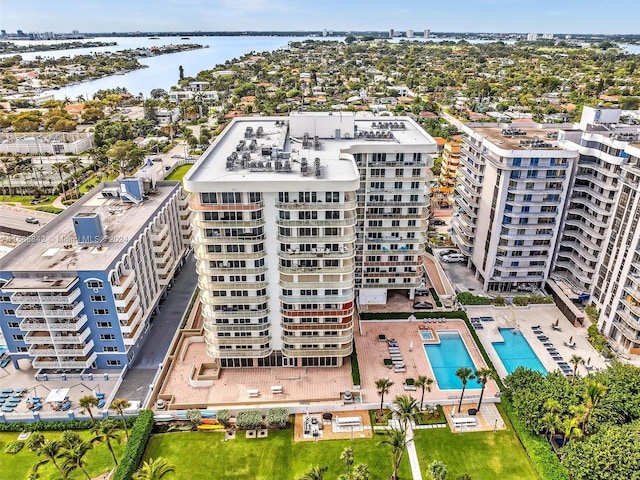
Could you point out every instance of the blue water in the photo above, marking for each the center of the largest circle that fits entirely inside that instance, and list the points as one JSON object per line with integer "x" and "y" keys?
{"x": 516, "y": 352}
{"x": 448, "y": 356}
{"x": 426, "y": 335}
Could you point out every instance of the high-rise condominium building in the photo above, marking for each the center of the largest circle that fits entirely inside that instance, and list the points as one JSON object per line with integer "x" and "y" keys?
{"x": 557, "y": 202}
{"x": 77, "y": 296}
{"x": 297, "y": 217}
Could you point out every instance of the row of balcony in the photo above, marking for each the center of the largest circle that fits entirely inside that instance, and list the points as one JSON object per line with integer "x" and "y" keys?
{"x": 41, "y": 338}
{"x": 199, "y": 222}
{"x": 74, "y": 350}
{"x": 46, "y": 298}
{"x": 295, "y": 205}
{"x": 64, "y": 362}
{"x": 42, "y": 325}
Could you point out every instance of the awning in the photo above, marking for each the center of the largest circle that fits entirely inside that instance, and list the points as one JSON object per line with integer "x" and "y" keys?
{"x": 57, "y": 395}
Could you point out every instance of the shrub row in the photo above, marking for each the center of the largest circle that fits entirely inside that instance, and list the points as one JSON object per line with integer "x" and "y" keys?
{"x": 435, "y": 296}
{"x": 51, "y": 426}
{"x": 466, "y": 298}
{"x": 355, "y": 368}
{"x": 405, "y": 315}
{"x": 524, "y": 300}
{"x": 539, "y": 450}
{"x": 136, "y": 445}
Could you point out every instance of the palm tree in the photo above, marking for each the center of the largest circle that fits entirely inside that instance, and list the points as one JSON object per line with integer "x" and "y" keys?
{"x": 592, "y": 396}
{"x": 483, "y": 375}
{"x": 51, "y": 450}
{"x": 347, "y": 457}
{"x": 153, "y": 469}
{"x": 106, "y": 431}
{"x": 575, "y": 361}
{"x": 397, "y": 440}
{"x": 119, "y": 405}
{"x": 423, "y": 383}
{"x": 86, "y": 403}
{"x": 464, "y": 374}
{"x": 74, "y": 458}
{"x": 60, "y": 168}
{"x": 569, "y": 429}
{"x": 550, "y": 421}
{"x": 552, "y": 405}
{"x": 315, "y": 473}
{"x": 405, "y": 408}
{"x": 383, "y": 385}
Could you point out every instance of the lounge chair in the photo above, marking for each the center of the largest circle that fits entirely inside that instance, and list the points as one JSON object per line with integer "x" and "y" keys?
{"x": 535, "y": 327}
{"x": 101, "y": 403}
{"x": 570, "y": 345}
{"x": 479, "y": 327}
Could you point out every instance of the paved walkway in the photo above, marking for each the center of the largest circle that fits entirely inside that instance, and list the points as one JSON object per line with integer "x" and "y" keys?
{"x": 411, "y": 448}
{"x": 58, "y": 203}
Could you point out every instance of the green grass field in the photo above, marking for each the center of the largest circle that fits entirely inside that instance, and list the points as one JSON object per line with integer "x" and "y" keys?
{"x": 483, "y": 455}
{"x": 204, "y": 455}
{"x": 17, "y": 466}
{"x": 179, "y": 172}
{"x": 25, "y": 200}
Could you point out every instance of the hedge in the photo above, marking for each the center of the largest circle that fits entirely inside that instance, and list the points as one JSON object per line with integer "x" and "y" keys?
{"x": 51, "y": 426}
{"x": 405, "y": 315}
{"x": 542, "y": 456}
{"x": 435, "y": 296}
{"x": 249, "y": 420}
{"x": 355, "y": 368}
{"x": 136, "y": 446}
{"x": 466, "y": 298}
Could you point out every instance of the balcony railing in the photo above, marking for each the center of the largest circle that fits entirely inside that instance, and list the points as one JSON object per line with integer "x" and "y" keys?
{"x": 232, "y": 353}
{"x": 317, "y": 352}
{"x": 348, "y": 205}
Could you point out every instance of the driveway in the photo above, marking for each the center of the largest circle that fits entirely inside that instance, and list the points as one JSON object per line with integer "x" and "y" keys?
{"x": 163, "y": 327}
{"x": 461, "y": 277}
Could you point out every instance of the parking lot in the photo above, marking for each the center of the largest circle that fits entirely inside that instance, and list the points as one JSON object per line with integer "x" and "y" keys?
{"x": 461, "y": 277}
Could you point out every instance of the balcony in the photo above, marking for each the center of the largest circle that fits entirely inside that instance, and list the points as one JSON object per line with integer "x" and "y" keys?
{"x": 75, "y": 350}
{"x": 342, "y": 238}
{"x": 296, "y": 253}
{"x": 313, "y": 339}
{"x": 208, "y": 299}
{"x": 213, "y": 328}
{"x": 124, "y": 282}
{"x": 335, "y": 284}
{"x": 210, "y": 313}
{"x": 203, "y": 254}
{"x": 29, "y": 311}
{"x": 341, "y": 222}
{"x": 121, "y": 300}
{"x": 349, "y": 268}
{"x": 232, "y": 353}
{"x": 36, "y": 350}
{"x": 318, "y": 352}
{"x": 42, "y": 298}
{"x": 65, "y": 312}
{"x": 207, "y": 285}
{"x": 128, "y": 326}
{"x": 215, "y": 340}
{"x": 64, "y": 362}
{"x": 132, "y": 337}
{"x": 161, "y": 234}
{"x": 628, "y": 333}
{"x": 204, "y": 269}
{"x": 73, "y": 325}
{"x": 348, "y": 205}
{"x": 225, "y": 207}
{"x": 124, "y": 313}
{"x": 34, "y": 325}
{"x": 320, "y": 298}
{"x": 226, "y": 223}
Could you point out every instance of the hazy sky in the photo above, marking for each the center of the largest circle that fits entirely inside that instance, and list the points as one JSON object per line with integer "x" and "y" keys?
{"x": 553, "y": 16}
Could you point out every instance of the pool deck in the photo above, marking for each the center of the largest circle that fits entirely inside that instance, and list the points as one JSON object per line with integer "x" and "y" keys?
{"x": 524, "y": 318}
{"x": 372, "y": 352}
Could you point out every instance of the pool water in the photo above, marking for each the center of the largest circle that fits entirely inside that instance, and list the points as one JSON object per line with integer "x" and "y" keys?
{"x": 448, "y": 356}
{"x": 516, "y": 352}
{"x": 426, "y": 335}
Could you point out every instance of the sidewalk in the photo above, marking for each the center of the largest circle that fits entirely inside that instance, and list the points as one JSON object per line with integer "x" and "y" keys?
{"x": 58, "y": 203}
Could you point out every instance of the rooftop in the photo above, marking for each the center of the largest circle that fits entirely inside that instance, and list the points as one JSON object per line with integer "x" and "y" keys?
{"x": 306, "y": 148}
{"x": 520, "y": 137}
{"x": 55, "y": 248}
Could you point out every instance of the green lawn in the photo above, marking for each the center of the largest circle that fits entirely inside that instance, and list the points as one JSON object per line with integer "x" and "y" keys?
{"x": 17, "y": 466}
{"x": 203, "y": 455}
{"x": 179, "y": 172}
{"x": 25, "y": 200}
{"x": 483, "y": 455}
{"x": 96, "y": 179}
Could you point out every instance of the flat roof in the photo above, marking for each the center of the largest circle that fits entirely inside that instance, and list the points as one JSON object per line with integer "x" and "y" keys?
{"x": 521, "y": 137}
{"x": 273, "y": 156}
{"x": 55, "y": 248}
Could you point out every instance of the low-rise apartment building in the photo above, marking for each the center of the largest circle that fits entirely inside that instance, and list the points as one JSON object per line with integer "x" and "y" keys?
{"x": 78, "y": 295}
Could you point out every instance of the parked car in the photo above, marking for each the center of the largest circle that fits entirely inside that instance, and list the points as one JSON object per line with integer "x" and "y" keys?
{"x": 177, "y": 156}
{"x": 447, "y": 252}
{"x": 454, "y": 257}
{"x": 32, "y": 220}
{"x": 436, "y": 222}
{"x": 423, "y": 305}
{"x": 421, "y": 292}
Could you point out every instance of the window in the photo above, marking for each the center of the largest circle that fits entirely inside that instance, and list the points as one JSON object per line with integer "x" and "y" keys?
{"x": 98, "y": 298}
{"x": 94, "y": 284}
{"x": 13, "y": 325}
{"x": 9, "y": 311}
{"x": 109, "y": 349}
{"x": 17, "y": 337}
{"x": 22, "y": 349}
{"x": 101, "y": 311}
{"x": 104, "y": 324}
{"x": 114, "y": 363}
{"x": 107, "y": 336}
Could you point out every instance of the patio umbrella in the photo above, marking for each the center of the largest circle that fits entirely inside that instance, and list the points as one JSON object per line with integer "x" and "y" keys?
{"x": 588, "y": 360}
{"x": 557, "y": 322}
{"x": 410, "y": 346}
{"x": 571, "y": 339}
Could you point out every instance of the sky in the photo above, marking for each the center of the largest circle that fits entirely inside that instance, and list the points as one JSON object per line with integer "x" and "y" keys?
{"x": 540, "y": 16}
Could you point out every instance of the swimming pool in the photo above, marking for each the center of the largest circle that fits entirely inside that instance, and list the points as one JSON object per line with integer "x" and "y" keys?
{"x": 426, "y": 335}
{"x": 516, "y": 352}
{"x": 448, "y": 356}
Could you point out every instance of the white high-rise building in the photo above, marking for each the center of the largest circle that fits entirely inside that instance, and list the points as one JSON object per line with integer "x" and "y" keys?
{"x": 532, "y": 37}
{"x": 296, "y": 216}
{"x": 392, "y": 33}
{"x": 426, "y": 33}
{"x": 409, "y": 33}
{"x": 510, "y": 192}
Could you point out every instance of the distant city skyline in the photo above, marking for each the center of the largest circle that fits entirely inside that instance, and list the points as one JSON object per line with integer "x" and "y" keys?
{"x": 501, "y": 16}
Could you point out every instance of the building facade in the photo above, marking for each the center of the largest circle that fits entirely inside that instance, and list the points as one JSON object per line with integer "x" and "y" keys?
{"x": 294, "y": 221}
{"x": 78, "y": 295}
{"x": 450, "y": 162}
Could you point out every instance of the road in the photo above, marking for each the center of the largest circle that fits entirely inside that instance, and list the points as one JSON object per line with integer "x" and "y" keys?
{"x": 163, "y": 327}
{"x": 12, "y": 220}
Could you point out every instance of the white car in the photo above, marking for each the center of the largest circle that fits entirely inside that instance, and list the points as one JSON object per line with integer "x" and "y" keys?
{"x": 454, "y": 257}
